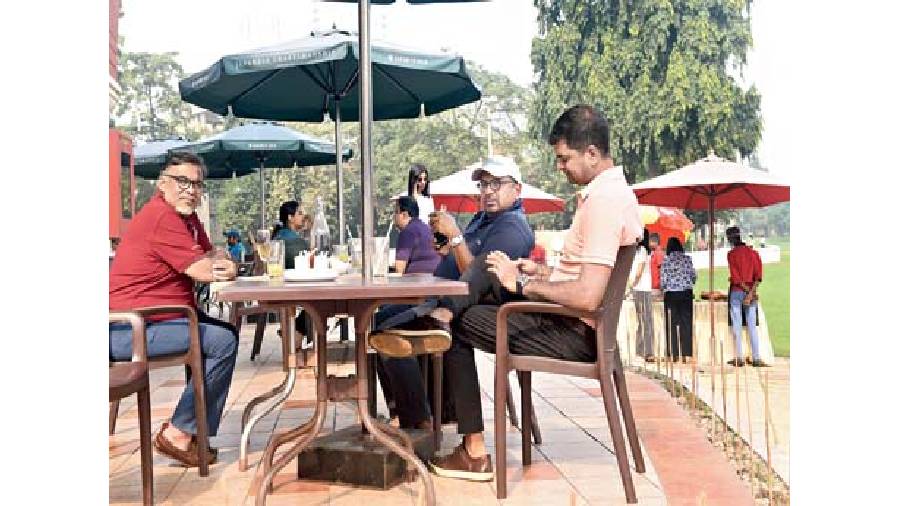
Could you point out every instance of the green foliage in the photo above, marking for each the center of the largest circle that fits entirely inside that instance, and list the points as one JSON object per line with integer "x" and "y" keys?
{"x": 661, "y": 71}
{"x": 150, "y": 107}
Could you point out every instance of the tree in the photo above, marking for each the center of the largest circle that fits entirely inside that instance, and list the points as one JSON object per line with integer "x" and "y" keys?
{"x": 662, "y": 71}
{"x": 150, "y": 107}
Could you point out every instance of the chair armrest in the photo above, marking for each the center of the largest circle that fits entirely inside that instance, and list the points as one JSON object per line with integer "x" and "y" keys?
{"x": 187, "y": 311}
{"x": 542, "y": 307}
{"x": 138, "y": 333}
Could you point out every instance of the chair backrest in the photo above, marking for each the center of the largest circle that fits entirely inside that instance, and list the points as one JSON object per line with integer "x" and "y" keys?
{"x": 608, "y": 312}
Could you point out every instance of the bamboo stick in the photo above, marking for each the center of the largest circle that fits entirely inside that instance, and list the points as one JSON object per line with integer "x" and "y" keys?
{"x": 768, "y": 444}
{"x": 669, "y": 350}
{"x": 680, "y": 357}
{"x": 656, "y": 344}
{"x": 737, "y": 394}
{"x": 724, "y": 396}
{"x": 694, "y": 354}
{"x": 750, "y": 424}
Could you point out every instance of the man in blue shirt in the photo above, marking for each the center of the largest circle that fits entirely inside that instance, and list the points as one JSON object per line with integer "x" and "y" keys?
{"x": 235, "y": 246}
{"x": 500, "y": 226}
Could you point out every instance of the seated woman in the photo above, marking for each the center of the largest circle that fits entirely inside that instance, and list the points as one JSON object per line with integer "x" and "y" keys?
{"x": 415, "y": 249}
{"x": 291, "y": 221}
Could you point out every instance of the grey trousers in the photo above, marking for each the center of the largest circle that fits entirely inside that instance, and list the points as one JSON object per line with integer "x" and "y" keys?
{"x": 643, "y": 305}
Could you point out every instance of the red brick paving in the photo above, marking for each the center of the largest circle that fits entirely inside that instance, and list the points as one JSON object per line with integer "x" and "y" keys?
{"x": 691, "y": 470}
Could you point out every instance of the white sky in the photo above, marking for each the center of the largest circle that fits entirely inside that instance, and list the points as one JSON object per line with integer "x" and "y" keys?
{"x": 495, "y": 34}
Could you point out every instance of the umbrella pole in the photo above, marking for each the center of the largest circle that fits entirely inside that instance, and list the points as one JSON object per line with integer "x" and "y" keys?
{"x": 262, "y": 193}
{"x": 712, "y": 308}
{"x": 339, "y": 151}
{"x": 365, "y": 141}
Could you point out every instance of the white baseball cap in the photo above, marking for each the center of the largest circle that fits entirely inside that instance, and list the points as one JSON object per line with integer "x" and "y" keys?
{"x": 497, "y": 166}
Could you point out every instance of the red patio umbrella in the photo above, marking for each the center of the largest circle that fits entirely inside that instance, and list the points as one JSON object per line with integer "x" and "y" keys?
{"x": 713, "y": 183}
{"x": 460, "y": 195}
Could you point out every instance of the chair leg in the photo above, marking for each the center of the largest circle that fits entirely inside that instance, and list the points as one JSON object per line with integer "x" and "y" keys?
{"x": 113, "y": 414}
{"x": 196, "y": 365}
{"x": 501, "y": 390}
{"x": 261, "y": 320}
{"x": 628, "y": 415}
{"x": 511, "y": 406}
{"x": 372, "y": 372}
{"x": 535, "y": 428}
{"x": 146, "y": 451}
{"x": 437, "y": 371}
{"x": 525, "y": 386}
{"x": 615, "y": 430}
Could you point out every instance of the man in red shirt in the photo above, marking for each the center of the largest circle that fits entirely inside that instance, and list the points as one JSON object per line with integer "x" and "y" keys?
{"x": 163, "y": 253}
{"x": 745, "y": 269}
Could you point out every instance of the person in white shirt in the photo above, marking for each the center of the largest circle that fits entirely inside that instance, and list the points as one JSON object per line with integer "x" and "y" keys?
{"x": 418, "y": 186}
{"x": 641, "y": 289}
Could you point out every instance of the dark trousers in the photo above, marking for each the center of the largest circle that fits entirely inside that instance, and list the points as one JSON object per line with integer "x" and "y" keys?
{"x": 475, "y": 326}
{"x": 401, "y": 379}
{"x": 406, "y": 393}
{"x": 679, "y": 328}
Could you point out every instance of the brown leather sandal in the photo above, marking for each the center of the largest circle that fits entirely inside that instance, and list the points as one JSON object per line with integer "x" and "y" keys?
{"x": 187, "y": 458}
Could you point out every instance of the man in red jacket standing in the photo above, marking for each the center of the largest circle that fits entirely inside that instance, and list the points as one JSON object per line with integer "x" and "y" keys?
{"x": 745, "y": 269}
{"x": 657, "y": 255}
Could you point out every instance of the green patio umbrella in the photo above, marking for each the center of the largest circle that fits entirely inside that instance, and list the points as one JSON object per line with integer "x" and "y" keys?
{"x": 254, "y": 146}
{"x": 305, "y": 79}
{"x": 150, "y": 157}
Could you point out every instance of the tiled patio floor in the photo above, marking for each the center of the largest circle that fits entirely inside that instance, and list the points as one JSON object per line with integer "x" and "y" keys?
{"x": 574, "y": 465}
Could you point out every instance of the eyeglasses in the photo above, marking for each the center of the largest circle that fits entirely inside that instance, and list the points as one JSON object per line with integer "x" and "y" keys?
{"x": 493, "y": 184}
{"x": 184, "y": 183}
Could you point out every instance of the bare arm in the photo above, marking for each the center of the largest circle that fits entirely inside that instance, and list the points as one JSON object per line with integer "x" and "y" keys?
{"x": 212, "y": 267}
{"x": 585, "y": 293}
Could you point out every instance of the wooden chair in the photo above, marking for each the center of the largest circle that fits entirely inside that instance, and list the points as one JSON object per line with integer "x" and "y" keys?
{"x": 192, "y": 359}
{"x": 607, "y": 369}
{"x": 128, "y": 378}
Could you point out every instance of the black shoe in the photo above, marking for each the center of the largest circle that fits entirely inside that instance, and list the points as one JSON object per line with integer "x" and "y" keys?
{"x": 759, "y": 363}
{"x": 737, "y": 362}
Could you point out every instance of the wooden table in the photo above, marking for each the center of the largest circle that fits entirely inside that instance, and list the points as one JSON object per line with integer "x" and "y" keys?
{"x": 354, "y": 297}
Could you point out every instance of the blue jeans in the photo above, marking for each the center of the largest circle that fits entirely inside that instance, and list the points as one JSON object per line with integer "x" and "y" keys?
{"x": 736, "y": 307}
{"x": 218, "y": 341}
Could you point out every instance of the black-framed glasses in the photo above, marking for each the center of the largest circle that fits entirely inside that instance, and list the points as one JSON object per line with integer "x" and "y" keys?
{"x": 184, "y": 183}
{"x": 493, "y": 184}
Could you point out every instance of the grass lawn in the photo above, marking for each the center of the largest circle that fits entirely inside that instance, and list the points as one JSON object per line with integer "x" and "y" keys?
{"x": 774, "y": 294}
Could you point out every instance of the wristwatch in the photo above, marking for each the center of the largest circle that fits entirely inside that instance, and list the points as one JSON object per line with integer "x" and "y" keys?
{"x": 456, "y": 241}
{"x": 521, "y": 280}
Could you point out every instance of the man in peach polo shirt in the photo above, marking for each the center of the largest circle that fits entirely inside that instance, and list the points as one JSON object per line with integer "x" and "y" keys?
{"x": 606, "y": 219}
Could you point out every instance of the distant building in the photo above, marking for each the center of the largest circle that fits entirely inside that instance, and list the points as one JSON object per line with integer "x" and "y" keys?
{"x": 115, "y": 12}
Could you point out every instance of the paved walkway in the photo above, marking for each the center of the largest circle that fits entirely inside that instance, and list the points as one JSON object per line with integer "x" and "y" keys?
{"x": 575, "y": 465}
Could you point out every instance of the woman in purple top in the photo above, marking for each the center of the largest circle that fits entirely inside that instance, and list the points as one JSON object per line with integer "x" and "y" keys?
{"x": 415, "y": 247}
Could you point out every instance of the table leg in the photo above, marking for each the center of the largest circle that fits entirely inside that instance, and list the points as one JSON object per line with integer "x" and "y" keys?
{"x": 309, "y": 430}
{"x": 281, "y": 393}
{"x": 362, "y": 315}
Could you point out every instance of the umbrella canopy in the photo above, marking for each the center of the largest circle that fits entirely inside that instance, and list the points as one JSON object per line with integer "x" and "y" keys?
{"x": 244, "y": 148}
{"x": 461, "y": 195}
{"x": 303, "y": 79}
{"x": 150, "y": 157}
{"x": 730, "y": 185}
{"x": 666, "y": 222}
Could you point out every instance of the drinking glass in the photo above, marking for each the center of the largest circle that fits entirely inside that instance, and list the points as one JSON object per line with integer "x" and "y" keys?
{"x": 275, "y": 259}
{"x": 342, "y": 252}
